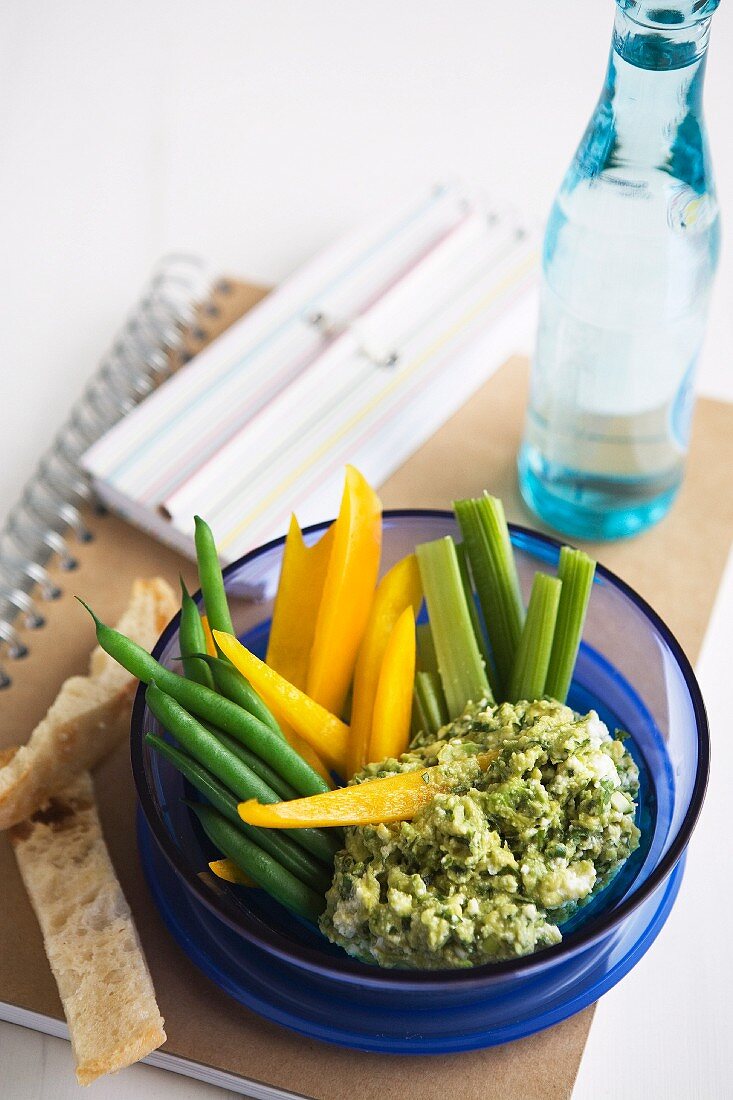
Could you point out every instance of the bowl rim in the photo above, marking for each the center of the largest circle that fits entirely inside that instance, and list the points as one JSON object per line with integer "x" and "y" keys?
{"x": 348, "y": 969}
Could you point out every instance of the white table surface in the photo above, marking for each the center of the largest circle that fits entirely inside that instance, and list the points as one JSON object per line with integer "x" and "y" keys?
{"x": 251, "y": 133}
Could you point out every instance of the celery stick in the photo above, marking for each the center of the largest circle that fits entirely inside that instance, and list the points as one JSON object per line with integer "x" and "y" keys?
{"x": 575, "y": 570}
{"x": 461, "y": 669}
{"x": 422, "y": 721}
{"x": 430, "y": 701}
{"x": 426, "y": 658}
{"x": 475, "y": 617}
{"x": 430, "y": 710}
{"x": 490, "y": 554}
{"x": 535, "y": 644}
{"x": 416, "y": 722}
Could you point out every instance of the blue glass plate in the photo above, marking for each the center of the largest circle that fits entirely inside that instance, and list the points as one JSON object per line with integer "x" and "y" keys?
{"x": 313, "y": 1007}
{"x": 630, "y": 669}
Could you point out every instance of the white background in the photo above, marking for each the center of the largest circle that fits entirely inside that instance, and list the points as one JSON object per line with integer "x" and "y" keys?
{"x": 253, "y": 131}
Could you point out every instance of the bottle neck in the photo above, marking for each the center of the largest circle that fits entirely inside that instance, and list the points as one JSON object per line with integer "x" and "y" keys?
{"x": 650, "y": 111}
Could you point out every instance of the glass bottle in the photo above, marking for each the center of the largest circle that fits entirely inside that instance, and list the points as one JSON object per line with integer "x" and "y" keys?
{"x": 629, "y": 256}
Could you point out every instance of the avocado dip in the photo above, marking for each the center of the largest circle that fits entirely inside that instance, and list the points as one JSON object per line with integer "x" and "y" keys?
{"x": 489, "y": 870}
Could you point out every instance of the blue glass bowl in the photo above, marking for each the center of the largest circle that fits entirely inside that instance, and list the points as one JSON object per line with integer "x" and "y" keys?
{"x": 630, "y": 669}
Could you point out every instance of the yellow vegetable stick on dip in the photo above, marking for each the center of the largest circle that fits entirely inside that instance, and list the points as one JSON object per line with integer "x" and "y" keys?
{"x": 376, "y": 801}
{"x": 227, "y": 870}
{"x": 393, "y": 700}
{"x": 398, "y": 589}
{"x": 298, "y": 599}
{"x": 327, "y": 734}
{"x": 210, "y": 647}
{"x": 348, "y": 592}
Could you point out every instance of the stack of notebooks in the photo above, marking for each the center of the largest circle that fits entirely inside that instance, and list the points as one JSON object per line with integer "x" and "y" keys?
{"x": 358, "y": 357}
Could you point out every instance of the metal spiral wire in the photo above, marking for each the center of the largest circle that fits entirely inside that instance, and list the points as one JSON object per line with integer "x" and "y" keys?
{"x": 47, "y": 521}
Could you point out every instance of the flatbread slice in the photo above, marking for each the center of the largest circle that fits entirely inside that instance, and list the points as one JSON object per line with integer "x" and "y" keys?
{"x": 88, "y": 933}
{"x": 88, "y": 717}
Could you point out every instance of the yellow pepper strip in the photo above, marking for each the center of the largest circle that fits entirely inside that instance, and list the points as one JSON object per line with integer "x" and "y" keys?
{"x": 396, "y": 798}
{"x": 298, "y": 599}
{"x": 377, "y": 801}
{"x": 393, "y": 701}
{"x": 210, "y": 647}
{"x": 327, "y": 734}
{"x": 302, "y": 747}
{"x": 227, "y": 870}
{"x": 348, "y": 592}
{"x": 398, "y": 589}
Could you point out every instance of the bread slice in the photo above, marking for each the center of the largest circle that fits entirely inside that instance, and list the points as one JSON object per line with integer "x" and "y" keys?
{"x": 88, "y": 717}
{"x": 88, "y": 933}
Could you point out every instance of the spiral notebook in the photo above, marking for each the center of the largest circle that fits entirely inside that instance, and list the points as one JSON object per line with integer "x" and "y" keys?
{"x": 177, "y": 315}
{"x": 80, "y": 549}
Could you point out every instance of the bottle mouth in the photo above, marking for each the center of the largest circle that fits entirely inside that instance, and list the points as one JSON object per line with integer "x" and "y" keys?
{"x": 669, "y": 16}
{"x": 661, "y": 37}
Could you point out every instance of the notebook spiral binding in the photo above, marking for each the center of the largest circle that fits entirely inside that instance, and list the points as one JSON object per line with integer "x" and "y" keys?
{"x": 48, "y": 512}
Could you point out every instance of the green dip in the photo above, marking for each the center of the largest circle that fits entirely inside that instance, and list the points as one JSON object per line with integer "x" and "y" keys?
{"x": 488, "y": 871}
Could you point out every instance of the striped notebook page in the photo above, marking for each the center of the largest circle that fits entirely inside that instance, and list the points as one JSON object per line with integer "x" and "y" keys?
{"x": 358, "y": 357}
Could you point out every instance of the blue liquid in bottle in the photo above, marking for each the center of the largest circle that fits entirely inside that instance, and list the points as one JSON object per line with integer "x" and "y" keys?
{"x": 630, "y": 252}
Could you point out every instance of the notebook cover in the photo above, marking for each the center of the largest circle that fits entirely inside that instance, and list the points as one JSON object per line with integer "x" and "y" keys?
{"x": 676, "y": 566}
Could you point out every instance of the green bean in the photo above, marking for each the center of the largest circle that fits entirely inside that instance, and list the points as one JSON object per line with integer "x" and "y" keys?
{"x": 199, "y": 777}
{"x": 266, "y": 872}
{"x": 192, "y": 640}
{"x": 289, "y": 855}
{"x": 259, "y": 767}
{"x": 205, "y": 747}
{"x": 206, "y": 703}
{"x": 233, "y": 685}
{"x": 322, "y": 842}
{"x": 212, "y": 582}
